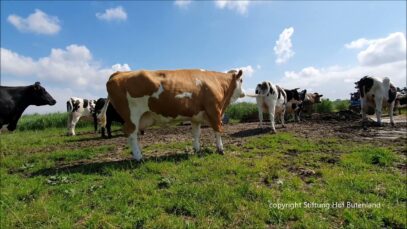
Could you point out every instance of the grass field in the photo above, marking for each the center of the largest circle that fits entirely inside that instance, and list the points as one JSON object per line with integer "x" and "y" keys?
{"x": 51, "y": 180}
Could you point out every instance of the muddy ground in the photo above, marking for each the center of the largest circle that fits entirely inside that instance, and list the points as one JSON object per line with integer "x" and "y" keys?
{"x": 237, "y": 134}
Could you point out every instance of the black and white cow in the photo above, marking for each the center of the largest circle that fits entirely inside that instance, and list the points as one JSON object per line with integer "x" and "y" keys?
{"x": 375, "y": 94}
{"x": 77, "y": 108}
{"x": 14, "y": 100}
{"x": 272, "y": 99}
{"x": 111, "y": 115}
{"x": 401, "y": 99}
{"x": 294, "y": 102}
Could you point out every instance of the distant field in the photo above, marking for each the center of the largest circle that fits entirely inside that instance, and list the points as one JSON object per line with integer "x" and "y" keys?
{"x": 52, "y": 180}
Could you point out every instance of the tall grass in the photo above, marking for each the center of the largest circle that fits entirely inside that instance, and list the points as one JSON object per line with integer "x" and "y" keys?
{"x": 242, "y": 111}
{"x": 43, "y": 121}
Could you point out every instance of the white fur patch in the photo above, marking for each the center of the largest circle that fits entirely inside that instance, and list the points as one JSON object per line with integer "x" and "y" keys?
{"x": 158, "y": 93}
{"x": 198, "y": 82}
{"x": 184, "y": 95}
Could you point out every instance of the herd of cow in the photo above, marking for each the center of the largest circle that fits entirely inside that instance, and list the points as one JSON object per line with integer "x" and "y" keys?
{"x": 139, "y": 99}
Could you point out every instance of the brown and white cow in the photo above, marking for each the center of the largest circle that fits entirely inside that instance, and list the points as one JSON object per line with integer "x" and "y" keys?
{"x": 143, "y": 98}
{"x": 375, "y": 94}
{"x": 310, "y": 99}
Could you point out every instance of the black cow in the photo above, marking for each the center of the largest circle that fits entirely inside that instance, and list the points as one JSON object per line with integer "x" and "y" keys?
{"x": 111, "y": 115}
{"x": 14, "y": 100}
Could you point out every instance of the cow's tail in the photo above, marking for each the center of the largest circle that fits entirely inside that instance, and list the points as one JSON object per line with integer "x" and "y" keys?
{"x": 386, "y": 83}
{"x": 102, "y": 116}
{"x": 254, "y": 96}
{"x": 69, "y": 106}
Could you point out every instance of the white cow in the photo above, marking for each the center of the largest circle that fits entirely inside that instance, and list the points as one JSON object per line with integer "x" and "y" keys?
{"x": 77, "y": 108}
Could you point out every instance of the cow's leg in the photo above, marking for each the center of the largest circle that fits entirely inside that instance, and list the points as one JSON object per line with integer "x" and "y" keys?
{"x": 215, "y": 119}
{"x": 95, "y": 122}
{"x": 103, "y": 132}
{"x": 109, "y": 128}
{"x": 282, "y": 115}
{"x": 272, "y": 110}
{"x": 196, "y": 133}
{"x": 133, "y": 142}
{"x": 260, "y": 109}
{"x": 391, "y": 113}
{"x": 379, "y": 107}
{"x": 75, "y": 119}
{"x": 69, "y": 123}
{"x": 219, "y": 145}
{"x": 363, "y": 106}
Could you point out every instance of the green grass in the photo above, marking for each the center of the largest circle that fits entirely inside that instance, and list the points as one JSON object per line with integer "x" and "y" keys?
{"x": 52, "y": 120}
{"x": 198, "y": 191}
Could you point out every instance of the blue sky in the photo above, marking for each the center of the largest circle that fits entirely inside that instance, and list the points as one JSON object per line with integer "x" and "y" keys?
{"x": 72, "y": 47}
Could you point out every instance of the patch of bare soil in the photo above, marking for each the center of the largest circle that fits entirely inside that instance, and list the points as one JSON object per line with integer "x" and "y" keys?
{"x": 348, "y": 129}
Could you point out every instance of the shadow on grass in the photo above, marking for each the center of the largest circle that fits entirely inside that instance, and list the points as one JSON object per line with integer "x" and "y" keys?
{"x": 101, "y": 167}
{"x": 251, "y": 132}
{"x": 96, "y": 137}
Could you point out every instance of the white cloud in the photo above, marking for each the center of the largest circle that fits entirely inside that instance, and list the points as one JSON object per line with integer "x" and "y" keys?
{"x": 380, "y": 51}
{"x": 247, "y": 70}
{"x": 182, "y": 3}
{"x": 113, "y": 14}
{"x": 384, "y": 57}
{"x": 37, "y": 22}
{"x": 359, "y": 43}
{"x": 283, "y": 47}
{"x": 240, "y": 6}
{"x": 73, "y": 66}
{"x": 385, "y": 50}
{"x": 337, "y": 82}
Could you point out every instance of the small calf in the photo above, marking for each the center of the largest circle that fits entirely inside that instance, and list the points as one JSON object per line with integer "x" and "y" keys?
{"x": 294, "y": 102}
{"x": 273, "y": 99}
{"x": 77, "y": 108}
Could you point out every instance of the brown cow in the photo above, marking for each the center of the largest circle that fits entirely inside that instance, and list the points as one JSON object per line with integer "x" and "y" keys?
{"x": 144, "y": 98}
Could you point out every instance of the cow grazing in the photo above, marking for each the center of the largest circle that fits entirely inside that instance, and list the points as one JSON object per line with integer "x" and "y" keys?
{"x": 78, "y": 108}
{"x": 14, "y": 100}
{"x": 294, "y": 102}
{"x": 375, "y": 94}
{"x": 143, "y": 98}
{"x": 272, "y": 99}
{"x": 111, "y": 115}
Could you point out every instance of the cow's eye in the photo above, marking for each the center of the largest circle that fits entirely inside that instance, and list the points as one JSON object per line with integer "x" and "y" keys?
{"x": 241, "y": 80}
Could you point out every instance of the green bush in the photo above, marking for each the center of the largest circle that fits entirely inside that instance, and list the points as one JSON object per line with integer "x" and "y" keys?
{"x": 43, "y": 121}
{"x": 325, "y": 106}
{"x": 242, "y": 111}
{"x": 340, "y": 105}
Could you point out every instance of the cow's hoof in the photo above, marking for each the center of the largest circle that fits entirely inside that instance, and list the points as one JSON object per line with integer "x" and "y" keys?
{"x": 273, "y": 132}
{"x": 392, "y": 124}
{"x": 378, "y": 124}
{"x": 364, "y": 127}
{"x": 221, "y": 152}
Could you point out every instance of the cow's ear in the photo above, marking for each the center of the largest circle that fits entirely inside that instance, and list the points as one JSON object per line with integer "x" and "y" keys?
{"x": 37, "y": 85}
{"x": 321, "y": 95}
{"x": 239, "y": 74}
{"x": 295, "y": 89}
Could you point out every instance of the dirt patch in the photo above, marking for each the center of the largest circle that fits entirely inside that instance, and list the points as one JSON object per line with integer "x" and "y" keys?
{"x": 237, "y": 134}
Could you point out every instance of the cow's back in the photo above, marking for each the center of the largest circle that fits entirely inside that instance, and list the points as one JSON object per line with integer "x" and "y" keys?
{"x": 171, "y": 93}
